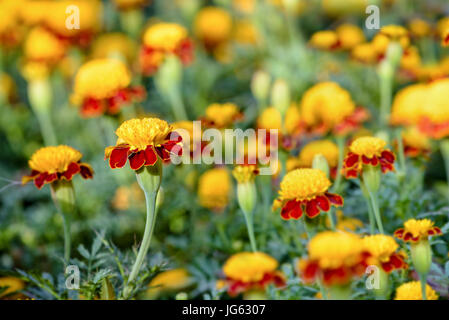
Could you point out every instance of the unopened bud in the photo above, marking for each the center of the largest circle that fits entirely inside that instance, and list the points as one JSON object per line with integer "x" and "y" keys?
{"x": 260, "y": 85}
{"x": 394, "y": 54}
{"x": 280, "y": 96}
{"x": 421, "y": 256}
{"x": 320, "y": 162}
{"x": 63, "y": 195}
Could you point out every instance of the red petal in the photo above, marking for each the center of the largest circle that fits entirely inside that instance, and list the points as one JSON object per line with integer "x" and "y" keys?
{"x": 137, "y": 160}
{"x": 366, "y": 160}
{"x": 118, "y": 157}
{"x": 73, "y": 169}
{"x": 86, "y": 171}
{"x": 163, "y": 154}
{"x": 150, "y": 156}
{"x": 399, "y": 233}
{"x": 387, "y": 156}
{"x": 351, "y": 160}
{"x": 292, "y": 209}
{"x": 334, "y": 199}
{"x": 312, "y": 209}
{"x": 40, "y": 180}
{"x": 323, "y": 203}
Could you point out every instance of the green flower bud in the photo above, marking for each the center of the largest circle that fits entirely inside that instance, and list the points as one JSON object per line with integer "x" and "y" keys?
{"x": 149, "y": 177}
{"x": 63, "y": 195}
{"x": 260, "y": 85}
{"x": 371, "y": 178}
{"x": 169, "y": 74}
{"x": 385, "y": 69}
{"x": 320, "y": 162}
{"x": 40, "y": 95}
{"x": 247, "y": 196}
{"x": 394, "y": 54}
{"x": 255, "y": 295}
{"x": 280, "y": 96}
{"x": 421, "y": 256}
{"x": 182, "y": 296}
{"x": 382, "y": 291}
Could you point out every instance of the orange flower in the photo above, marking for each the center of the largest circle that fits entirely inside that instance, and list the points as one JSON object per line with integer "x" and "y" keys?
{"x": 103, "y": 86}
{"x": 382, "y": 249}
{"x": 162, "y": 39}
{"x": 142, "y": 141}
{"x": 367, "y": 151}
{"x": 305, "y": 190}
{"x": 417, "y": 230}
{"x": 56, "y": 163}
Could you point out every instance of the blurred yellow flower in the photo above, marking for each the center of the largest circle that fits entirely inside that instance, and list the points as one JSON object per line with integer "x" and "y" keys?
{"x": 408, "y": 104}
{"x": 43, "y": 47}
{"x": 114, "y": 45}
{"x": 419, "y": 28}
{"x": 168, "y": 282}
{"x": 412, "y": 291}
{"x": 221, "y": 115}
{"x": 382, "y": 250}
{"x": 325, "y": 147}
{"x": 12, "y": 285}
{"x": 213, "y": 26}
{"x": 349, "y": 36}
{"x": 324, "y": 40}
{"x": 214, "y": 188}
{"x": 390, "y": 33}
{"x": 245, "y": 173}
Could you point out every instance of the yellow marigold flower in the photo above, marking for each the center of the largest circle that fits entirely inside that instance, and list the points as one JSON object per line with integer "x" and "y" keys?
{"x": 250, "y": 270}
{"x": 345, "y": 223}
{"x": 412, "y": 291}
{"x": 306, "y": 189}
{"x": 382, "y": 249}
{"x": 114, "y": 45}
{"x": 417, "y": 230}
{"x": 164, "y": 36}
{"x": 338, "y": 256}
{"x": 214, "y": 187}
{"x": 126, "y": 197}
{"x": 292, "y": 119}
{"x": 419, "y": 28}
{"x": 390, "y": 33}
{"x": 270, "y": 118}
{"x": 408, "y": 104}
{"x": 11, "y": 32}
{"x": 368, "y": 146}
{"x": 245, "y": 173}
{"x": 324, "y": 40}
{"x": 213, "y": 25}
{"x": 12, "y": 285}
{"x": 168, "y": 281}
{"x": 221, "y": 115}
{"x": 101, "y": 78}
{"x": 349, "y": 36}
{"x": 44, "y": 47}
{"x": 325, "y": 147}
{"x": 327, "y": 106}
{"x": 411, "y": 61}
{"x": 142, "y": 141}
{"x": 415, "y": 142}
{"x": 364, "y": 53}
{"x": 130, "y": 4}
{"x": 49, "y": 164}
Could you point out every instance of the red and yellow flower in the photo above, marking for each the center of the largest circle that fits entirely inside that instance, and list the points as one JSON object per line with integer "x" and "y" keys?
{"x": 328, "y": 107}
{"x": 50, "y": 164}
{"x": 103, "y": 86}
{"x": 416, "y": 230}
{"x": 251, "y": 271}
{"x": 345, "y": 37}
{"x": 213, "y": 26}
{"x": 382, "y": 250}
{"x": 162, "y": 39}
{"x": 221, "y": 115}
{"x": 415, "y": 143}
{"x": 305, "y": 190}
{"x": 367, "y": 151}
{"x": 142, "y": 142}
{"x": 334, "y": 258}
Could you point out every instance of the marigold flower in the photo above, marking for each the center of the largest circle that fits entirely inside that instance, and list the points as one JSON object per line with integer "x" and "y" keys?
{"x": 382, "y": 250}
{"x": 114, "y": 44}
{"x": 270, "y": 119}
{"x": 245, "y": 32}
{"x": 415, "y": 143}
{"x": 325, "y": 40}
{"x": 435, "y": 114}
{"x": 245, "y": 173}
{"x": 306, "y": 190}
{"x": 213, "y": 26}
{"x": 366, "y": 151}
{"x": 221, "y": 115}
{"x": 11, "y": 32}
{"x": 142, "y": 141}
{"x": 417, "y": 230}
{"x": 364, "y": 53}
{"x": 251, "y": 270}
{"x": 50, "y": 164}
{"x": 326, "y": 106}
{"x": 412, "y": 291}
{"x": 408, "y": 104}
{"x": 335, "y": 258}
{"x": 325, "y": 147}
{"x": 102, "y": 86}
{"x": 214, "y": 187}
{"x": 419, "y": 28}
{"x": 349, "y": 36}
{"x": 12, "y": 285}
{"x": 41, "y": 46}
{"x": 390, "y": 33}
{"x": 161, "y": 39}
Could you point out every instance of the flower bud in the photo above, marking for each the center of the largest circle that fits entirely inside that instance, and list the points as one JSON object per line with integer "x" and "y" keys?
{"x": 385, "y": 69}
{"x": 63, "y": 195}
{"x": 394, "y": 54}
{"x": 149, "y": 178}
{"x": 421, "y": 256}
{"x": 260, "y": 85}
{"x": 255, "y": 295}
{"x": 371, "y": 177}
{"x": 382, "y": 291}
{"x": 320, "y": 162}
{"x": 40, "y": 95}
{"x": 280, "y": 96}
{"x": 169, "y": 74}
{"x": 247, "y": 196}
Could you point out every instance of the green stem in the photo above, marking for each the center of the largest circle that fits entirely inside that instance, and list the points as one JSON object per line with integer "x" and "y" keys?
{"x": 401, "y": 171}
{"x": 375, "y": 204}
{"x": 331, "y": 218}
{"x": 178, "y": 108}
{"x": 386, "y": 87}
{"x": 67, "y": 242}
{"x": 150, "y": 199}
{"x": 423, "y": 280}
{"x": 341, "y": 151}
{"x": 371, "y": 216}
{"x": 46, "y": 127}
{"x": 444, "y": 147}
{"x": 250, "y": 228}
